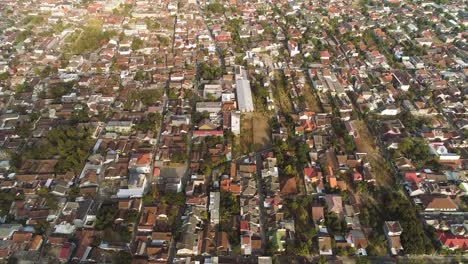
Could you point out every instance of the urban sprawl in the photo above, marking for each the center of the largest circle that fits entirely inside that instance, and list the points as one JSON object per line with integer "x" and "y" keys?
{"x": 233, "y": 131}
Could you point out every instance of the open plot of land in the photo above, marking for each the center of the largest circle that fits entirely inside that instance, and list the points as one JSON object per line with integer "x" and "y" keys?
{"x": 310, "y": 100}
{"x": 255, "y": 132}
{"x": 366, "y": 144}
{"x": 281, "y": 95}
{"x": 173, "y": 170}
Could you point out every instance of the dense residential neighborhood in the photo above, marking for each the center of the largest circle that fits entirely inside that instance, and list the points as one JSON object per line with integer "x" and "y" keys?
{"x": 183, "y": 131}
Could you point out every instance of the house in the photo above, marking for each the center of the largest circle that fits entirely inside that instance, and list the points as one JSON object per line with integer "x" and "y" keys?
{"x": 206, "y": 125}
{"x": 208, "y": 133}
{"x": 123, "y": 127}
{"x": 140, "y": 163}
{"x": 212, "y": 91}
{"x": 210, "y": 107}
{"x": 223, "y": 36}
{"x": 317, "y": 214}
{"x": 36, "y": 243}
{"x": 434, "y": 202}
{"x": 66, "y": 252}
{"x": 453, "y": 242}
{"x": 7, "y": 230}
{"x": 357, "y": 176}
{"x": 441, "y": 151}
{"x": 223, "y": 246}
{"x": 357, "y": 240}
{"x": 147, "y": 219}
{"x": 192, "y": 224}
{"x": 351, "y": 130}
{"x": 214, "y": 207}
{"x": 401, "y": 80}
{"x": 235, "y": 122}
{"x": 424, "y": 41}
{"x": 312, "y": 175}
{"x": 404, "y": 164}
{"x": 335, "y": 204}
{"x": 352, "y": 216}
{"x": 324, "y": 55}
{"x": 84, "y": 249}
{"x": 324, "y": 243}
{"x": 393, "y": 230}
{"x": 246, "y": 248}
{"x": 413, "y": 177}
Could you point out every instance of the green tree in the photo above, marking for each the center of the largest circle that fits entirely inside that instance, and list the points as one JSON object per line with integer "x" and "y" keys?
{"x": 152, "y": 25}
{"x": 74, "y": 192}
{"x": 148, "y": 199}
{"x": 176, "y": 199}
{"x": 215, "y": 8}
{"x": 137, "y": 43}
{"x": 122, "y": 257}
{"x": 4, "y": 76}
{"x": 322, "y": 260}
{"x": 90, "y": 38}
{"x": 362, "y": 260}
{"x": 333, "y": 223}
{"x": 105, "y": 216}
{"x": 41, "y": 227}
{"x": 69, "y": 144}
{"x": 80, "y": 116}
{"x": 418, "y": 151}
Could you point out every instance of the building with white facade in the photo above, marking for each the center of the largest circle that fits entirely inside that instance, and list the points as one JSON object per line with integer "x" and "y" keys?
{"x": 235, "y": 122}
{"x": 244, "y": 93}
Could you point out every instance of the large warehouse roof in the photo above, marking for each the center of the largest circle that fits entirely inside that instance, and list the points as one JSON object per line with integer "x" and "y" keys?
{"x": 244, "y": 93}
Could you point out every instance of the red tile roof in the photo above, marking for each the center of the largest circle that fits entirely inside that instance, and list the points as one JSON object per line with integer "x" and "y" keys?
{"x": 453, "y": 241}
{"x": 413, "y": 177}
{"x": 65, "y": 251}
{"x": 244, "y": 225}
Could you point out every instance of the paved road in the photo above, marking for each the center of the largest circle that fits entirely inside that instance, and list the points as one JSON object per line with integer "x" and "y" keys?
{"x": 261, "y": 197}
{"x": 218, "y": 49}
{"x": 173, "y": 243}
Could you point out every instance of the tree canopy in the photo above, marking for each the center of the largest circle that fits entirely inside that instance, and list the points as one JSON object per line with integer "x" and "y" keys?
{"x": 418, "y": 151}
{"x": 69, "y": 144}
{"x": 90, "y": 38}
{"x": 215, "y": 8}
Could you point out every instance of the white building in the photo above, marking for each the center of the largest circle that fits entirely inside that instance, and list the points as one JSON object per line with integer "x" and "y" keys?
{"x": 214, "y": 207}
{"x": 235, "y": 122}
{"x": 438, "y": 149}
{"x": 215, "y": 90}
{"x": 244, "y": 93}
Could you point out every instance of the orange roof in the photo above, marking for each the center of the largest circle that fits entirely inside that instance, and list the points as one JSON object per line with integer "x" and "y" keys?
{"x": 21, "y": 237}
{"x": 149, "y": 216}
{"x": 332, "y": 181}
{"x": 36, "y": 242}
{"x": 233, "y": 170}
{"x": 144, "y": 158}
{"x": 256, "y": 244}
{"x": 235, "y": 188}
{"x": 225, "y": 184}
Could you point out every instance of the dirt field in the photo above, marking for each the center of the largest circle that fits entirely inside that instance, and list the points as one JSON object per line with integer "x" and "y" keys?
{"x": 255, "y": 132}
{"x": 310, "y": 100}
{"x": 282, "y": 99}
{"x": 366, "y": 143}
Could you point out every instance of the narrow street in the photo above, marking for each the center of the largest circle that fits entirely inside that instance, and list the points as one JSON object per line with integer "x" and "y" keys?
{"x": 261, "y": 197}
